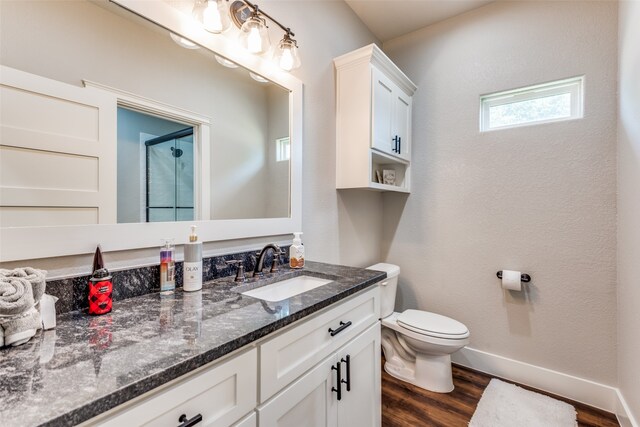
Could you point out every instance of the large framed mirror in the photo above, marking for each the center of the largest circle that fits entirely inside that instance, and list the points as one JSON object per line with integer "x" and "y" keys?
{"x": 124, "y": 122}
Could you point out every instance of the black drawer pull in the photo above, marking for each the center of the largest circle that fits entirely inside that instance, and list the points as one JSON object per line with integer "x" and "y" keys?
{"x": 342, "y": 327}
{"x": 188, "y": 423}
{"x": 338, "y": 380}
{"x": 347, "y": 360}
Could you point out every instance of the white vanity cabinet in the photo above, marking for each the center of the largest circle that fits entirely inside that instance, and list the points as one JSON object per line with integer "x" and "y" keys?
{"x": 373, "y": 121}
{"x": 342, "y": 390}
{"x": 289, "y": 378}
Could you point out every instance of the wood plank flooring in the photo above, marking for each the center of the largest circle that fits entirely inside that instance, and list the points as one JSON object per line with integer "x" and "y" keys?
{"x": 405, "y": 405}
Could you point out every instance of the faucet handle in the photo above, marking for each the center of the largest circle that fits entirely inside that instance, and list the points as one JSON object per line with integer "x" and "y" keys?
{"x": 275, "y": 262}
{"x": 240, "y": 269}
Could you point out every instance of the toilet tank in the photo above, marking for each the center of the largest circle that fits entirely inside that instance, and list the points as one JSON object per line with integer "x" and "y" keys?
{"x": 388, "y": 287}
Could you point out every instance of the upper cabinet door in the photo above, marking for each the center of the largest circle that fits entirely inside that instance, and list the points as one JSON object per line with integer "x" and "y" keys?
{"x": 382, "y": 105}
{"x": 391, "y": 118}
{"x": 402, "y": 122}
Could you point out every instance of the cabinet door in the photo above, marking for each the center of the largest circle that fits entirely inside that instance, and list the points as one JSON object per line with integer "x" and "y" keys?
{"x": 308, "y": 402}
{"x": 402, "y": 123}
{"x": 360, "y": 406}
{"x": 382, "y": 114}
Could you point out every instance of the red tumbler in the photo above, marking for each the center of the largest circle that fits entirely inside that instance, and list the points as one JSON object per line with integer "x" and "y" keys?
{"x": 100, "y": 291}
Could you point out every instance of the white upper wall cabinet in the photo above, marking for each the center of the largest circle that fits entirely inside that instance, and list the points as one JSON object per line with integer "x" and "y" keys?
{"x": 373, "y": 122}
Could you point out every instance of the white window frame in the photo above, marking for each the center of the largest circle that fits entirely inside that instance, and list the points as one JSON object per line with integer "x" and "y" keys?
{"x": 573, "y": 86}
{"x": 283, "y": 149}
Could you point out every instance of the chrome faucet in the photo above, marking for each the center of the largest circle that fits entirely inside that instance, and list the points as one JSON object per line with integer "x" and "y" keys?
{"x": 263, "y": 253}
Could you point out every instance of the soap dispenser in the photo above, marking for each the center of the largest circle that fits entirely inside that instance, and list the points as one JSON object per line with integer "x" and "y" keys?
{"x": 296, "y": 252}
{"x": 192, "y": 263}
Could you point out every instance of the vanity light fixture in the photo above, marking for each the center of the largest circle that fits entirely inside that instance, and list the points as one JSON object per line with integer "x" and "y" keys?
{"x": 216, "y": 16}
{"x": 213, "y": 14}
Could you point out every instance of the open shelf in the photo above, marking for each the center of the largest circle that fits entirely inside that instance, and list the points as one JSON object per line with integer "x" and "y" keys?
{"x": 381, "y": 162}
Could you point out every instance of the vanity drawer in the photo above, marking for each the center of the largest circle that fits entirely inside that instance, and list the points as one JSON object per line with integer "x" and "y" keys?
{"x": 222, "y": 394}
{"x": 290, "y": 354}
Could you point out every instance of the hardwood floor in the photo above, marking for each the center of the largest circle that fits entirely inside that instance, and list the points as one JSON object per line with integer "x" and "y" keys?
{"x": 406, "y": 405}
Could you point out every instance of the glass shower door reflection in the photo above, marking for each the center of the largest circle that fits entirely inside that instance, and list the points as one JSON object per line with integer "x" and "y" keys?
{"x": 170, "y": 189}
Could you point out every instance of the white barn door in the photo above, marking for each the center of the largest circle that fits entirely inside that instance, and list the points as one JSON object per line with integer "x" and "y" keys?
{"x": 58, "y": 147}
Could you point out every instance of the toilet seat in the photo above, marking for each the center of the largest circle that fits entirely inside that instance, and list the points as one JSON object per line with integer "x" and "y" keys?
{"x": 431, "y": 324}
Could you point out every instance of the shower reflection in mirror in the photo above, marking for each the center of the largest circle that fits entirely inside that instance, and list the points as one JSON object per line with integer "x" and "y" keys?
{"x": 155, "y": 168}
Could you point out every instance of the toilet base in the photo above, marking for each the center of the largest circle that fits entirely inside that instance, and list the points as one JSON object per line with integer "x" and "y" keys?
{"x": 431, "y": 373}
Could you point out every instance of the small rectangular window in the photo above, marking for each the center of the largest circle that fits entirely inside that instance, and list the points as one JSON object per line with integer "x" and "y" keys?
{"x": 543, "y": 103}
{"x": 283, "y": 149}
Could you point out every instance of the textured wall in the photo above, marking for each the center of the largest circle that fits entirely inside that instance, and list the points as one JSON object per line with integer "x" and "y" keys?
{"x": 629, "y": 205}
{"x": 338, "y": 227}
{"x": 540, "y": 199}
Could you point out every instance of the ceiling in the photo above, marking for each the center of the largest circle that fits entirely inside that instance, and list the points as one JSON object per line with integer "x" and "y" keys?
{"x": 388, "y": 19}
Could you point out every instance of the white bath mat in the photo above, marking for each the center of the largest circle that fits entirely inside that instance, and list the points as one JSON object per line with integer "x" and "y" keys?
{"x": 506, "y": 405}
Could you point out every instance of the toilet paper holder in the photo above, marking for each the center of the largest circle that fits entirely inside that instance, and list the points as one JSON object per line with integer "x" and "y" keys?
{"x": 523, "y": 277}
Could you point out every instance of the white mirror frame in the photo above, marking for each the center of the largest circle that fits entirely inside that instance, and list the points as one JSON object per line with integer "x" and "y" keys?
{"x": 19, "y": 243}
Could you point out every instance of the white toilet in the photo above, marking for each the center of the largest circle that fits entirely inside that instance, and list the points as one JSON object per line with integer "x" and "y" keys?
{"x": 417, "y": 344}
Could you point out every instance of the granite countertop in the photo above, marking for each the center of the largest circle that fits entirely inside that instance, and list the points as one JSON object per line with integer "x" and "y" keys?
{"x": 88, "y": 365}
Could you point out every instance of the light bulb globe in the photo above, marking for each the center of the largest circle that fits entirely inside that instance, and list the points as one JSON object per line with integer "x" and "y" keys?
{"x": 286, "y": 54}
{"x": 254, "y": 35}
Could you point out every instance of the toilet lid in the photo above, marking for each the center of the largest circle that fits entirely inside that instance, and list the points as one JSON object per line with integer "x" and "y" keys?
{"x": 436, "y": 325}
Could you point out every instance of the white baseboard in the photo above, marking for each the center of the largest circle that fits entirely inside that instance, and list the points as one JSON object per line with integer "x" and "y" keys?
{"x": 581, "y": 390}
{"x": 625, "y": 417}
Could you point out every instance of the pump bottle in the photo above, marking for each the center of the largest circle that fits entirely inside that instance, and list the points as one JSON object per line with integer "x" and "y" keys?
{"x": 296, "y": 252}
{"x": 192, "y": 263}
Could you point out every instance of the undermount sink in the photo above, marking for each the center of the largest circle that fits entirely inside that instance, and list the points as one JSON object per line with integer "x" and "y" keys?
{"x": 287, "y": 288}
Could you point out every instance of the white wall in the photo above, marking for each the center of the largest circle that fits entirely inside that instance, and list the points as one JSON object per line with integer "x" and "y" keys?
{"x": 629, "y": 205}
{"x": 338, "y": 227}
{"x": 540, "y": 199}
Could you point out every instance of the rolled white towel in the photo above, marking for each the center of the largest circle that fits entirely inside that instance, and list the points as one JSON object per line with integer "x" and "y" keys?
{"x": 20, "y": 329}
{"x": 1, "y": 336}
{"x": 16, "y": 296}
{"x": 36, "y": 277}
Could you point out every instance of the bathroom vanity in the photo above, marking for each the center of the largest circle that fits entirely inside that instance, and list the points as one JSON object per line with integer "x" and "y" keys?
{"x": 231, "y": 359}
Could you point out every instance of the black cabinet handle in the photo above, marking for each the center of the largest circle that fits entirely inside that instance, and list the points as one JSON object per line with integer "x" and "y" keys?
{"x": 188, "y": 423}
{"x": 347, "y": 360}
{"x": 395, "y": 146}
{"x": 342, "y": 327}
{"x": 338, "y": 380}
{"x": 399, "y": 145}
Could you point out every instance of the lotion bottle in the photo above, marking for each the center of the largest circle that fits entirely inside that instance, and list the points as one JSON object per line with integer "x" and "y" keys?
{"x": 296, "y": 252}
{"x": 192, "y": 271}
